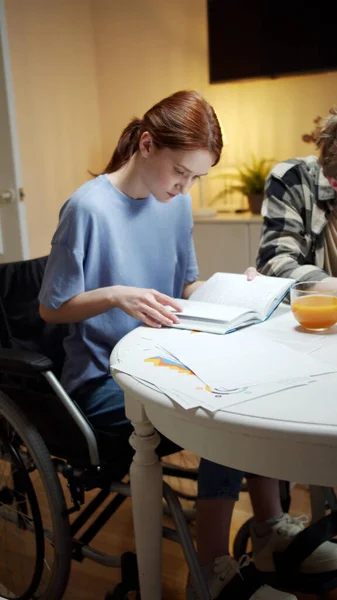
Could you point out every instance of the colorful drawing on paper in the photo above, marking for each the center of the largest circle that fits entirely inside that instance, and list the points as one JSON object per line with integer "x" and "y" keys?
{"x": 159, "y": 361}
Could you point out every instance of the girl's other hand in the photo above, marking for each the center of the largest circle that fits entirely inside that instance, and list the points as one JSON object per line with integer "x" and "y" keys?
{"x": 251, "y": 273}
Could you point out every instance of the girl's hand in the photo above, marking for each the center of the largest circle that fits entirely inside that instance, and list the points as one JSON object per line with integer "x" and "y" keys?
{"x": 251, "y": 273}
{"x": 147, "y": 305}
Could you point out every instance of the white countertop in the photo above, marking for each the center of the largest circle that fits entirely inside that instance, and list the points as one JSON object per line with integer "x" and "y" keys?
{"x": 230, "y": 217}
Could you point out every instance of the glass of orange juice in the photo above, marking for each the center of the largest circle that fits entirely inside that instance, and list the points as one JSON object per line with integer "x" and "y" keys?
{"x": 314, "y": 305}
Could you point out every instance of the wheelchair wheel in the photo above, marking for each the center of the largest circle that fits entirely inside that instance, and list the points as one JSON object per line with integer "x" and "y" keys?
{"x": 35, "y": 542}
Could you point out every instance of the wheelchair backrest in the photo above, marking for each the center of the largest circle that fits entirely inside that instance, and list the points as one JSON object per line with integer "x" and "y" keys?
{"x": 21, "y": 327}
{"x": 20, "y": 323}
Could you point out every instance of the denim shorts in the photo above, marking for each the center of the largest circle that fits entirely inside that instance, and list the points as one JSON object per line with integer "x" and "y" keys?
{"x": 102, "y": 401}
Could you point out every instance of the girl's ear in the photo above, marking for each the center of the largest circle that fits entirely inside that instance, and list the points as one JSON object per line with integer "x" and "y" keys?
{"x": 145, "y": 144}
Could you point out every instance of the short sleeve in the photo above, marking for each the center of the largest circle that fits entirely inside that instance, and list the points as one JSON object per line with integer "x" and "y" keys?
{"x": 64, "y": 275}
{"x": 63, "y": 278}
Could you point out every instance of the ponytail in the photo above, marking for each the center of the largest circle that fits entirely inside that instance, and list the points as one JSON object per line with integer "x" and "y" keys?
{"x": 126, "y": 147}
{"x": 182, "y": 121}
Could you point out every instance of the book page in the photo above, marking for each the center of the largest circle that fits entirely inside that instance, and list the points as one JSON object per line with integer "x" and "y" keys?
{"x": 209, "y": 311}
{"x": 213, "y": 318}
{"x": 233, "y": 289}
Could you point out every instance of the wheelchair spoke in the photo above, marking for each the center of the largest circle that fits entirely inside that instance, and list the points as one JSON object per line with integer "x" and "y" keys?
{"x": 35, "y": 549}
{"x": 47, "y": 566}
{"x": 20, "y": 541}
{"x": 17, "y": 537}
{"x": 28, "y": 520}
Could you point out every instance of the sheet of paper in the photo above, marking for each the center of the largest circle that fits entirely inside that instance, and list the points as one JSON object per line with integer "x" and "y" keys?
{"x": 158, "y": 370}
{"x": 285, "y": 330}
{"x": 243, "y": 359}
{"x": 327, "y": 351}
{"x": 194, "y": 393}
{"x": 185, "y": 401}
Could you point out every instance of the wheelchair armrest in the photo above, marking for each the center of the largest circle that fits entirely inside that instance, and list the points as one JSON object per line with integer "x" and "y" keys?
{"x": 23, "y": 362}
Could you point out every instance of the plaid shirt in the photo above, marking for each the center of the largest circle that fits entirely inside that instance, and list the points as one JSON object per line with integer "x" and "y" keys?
{"x": 296, "y": 207}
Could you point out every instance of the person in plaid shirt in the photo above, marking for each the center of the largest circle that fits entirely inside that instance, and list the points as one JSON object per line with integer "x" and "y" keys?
{"x": 299, "y": 233}
{"x": 299, "y": 240}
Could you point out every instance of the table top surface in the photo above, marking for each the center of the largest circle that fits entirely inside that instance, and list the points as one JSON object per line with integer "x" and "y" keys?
{"x": 309, "y": 410}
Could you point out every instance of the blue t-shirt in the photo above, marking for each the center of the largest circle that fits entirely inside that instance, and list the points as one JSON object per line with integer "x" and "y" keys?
{"x": 105, "y": 238}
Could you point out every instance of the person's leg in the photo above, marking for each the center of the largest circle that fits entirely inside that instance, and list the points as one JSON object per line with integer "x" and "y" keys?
{"x": 265, "y": 497}
{"x": 218, "y": 490}
{"x": 102, "y": 401}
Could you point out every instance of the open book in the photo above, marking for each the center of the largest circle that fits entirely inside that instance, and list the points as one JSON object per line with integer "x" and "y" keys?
{"x": 228, "y": 301}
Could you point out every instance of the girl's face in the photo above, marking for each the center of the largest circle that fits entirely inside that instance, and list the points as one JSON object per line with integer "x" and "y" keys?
{"x": 167, "y": 172}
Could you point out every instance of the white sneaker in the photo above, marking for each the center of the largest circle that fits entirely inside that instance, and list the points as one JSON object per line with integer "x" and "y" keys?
{"x": 229, "y": 581}
{"x": 281, "y": 533}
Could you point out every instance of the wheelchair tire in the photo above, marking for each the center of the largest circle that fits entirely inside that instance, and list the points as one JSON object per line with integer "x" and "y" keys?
{"x": 26, "y": 454}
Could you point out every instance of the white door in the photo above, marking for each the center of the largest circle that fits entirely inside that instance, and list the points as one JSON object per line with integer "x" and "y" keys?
{"x": 13, "y": 229}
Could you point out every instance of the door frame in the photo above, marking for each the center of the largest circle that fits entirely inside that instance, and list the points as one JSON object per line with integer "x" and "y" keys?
{"x": 20, "y": 212}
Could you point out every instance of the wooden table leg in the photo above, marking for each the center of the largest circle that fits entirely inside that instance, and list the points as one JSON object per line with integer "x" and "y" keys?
{"x": 146, "y": 491}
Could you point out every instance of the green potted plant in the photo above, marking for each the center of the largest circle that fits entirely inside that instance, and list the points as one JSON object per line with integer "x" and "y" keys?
{"x": 252, "y": 179}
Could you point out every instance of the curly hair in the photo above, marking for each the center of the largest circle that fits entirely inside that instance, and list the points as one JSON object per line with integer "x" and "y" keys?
{"x": 326, "y": 141}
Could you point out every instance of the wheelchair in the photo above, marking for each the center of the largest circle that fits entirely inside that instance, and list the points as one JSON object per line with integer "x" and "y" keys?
{"x": 44, "y": 434}
{"x": 50, "y": 457}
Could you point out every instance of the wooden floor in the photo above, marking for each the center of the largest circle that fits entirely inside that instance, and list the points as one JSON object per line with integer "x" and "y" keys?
{"x": 90, "y": 581}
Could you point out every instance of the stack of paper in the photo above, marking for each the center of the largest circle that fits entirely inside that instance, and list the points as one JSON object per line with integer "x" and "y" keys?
{"x": 215, "y": 372}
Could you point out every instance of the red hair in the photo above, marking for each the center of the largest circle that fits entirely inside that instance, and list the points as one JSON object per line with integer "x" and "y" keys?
{"x": 182, "y": 121}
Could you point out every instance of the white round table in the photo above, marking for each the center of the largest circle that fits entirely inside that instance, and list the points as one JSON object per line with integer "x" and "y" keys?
{"x": 291, "y": 435}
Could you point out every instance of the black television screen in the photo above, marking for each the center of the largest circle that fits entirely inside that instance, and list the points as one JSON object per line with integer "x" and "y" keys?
{"x": 262, "y": 38}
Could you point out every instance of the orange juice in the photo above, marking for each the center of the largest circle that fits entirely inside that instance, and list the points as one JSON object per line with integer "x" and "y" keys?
{"x": 315, "y": 311}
